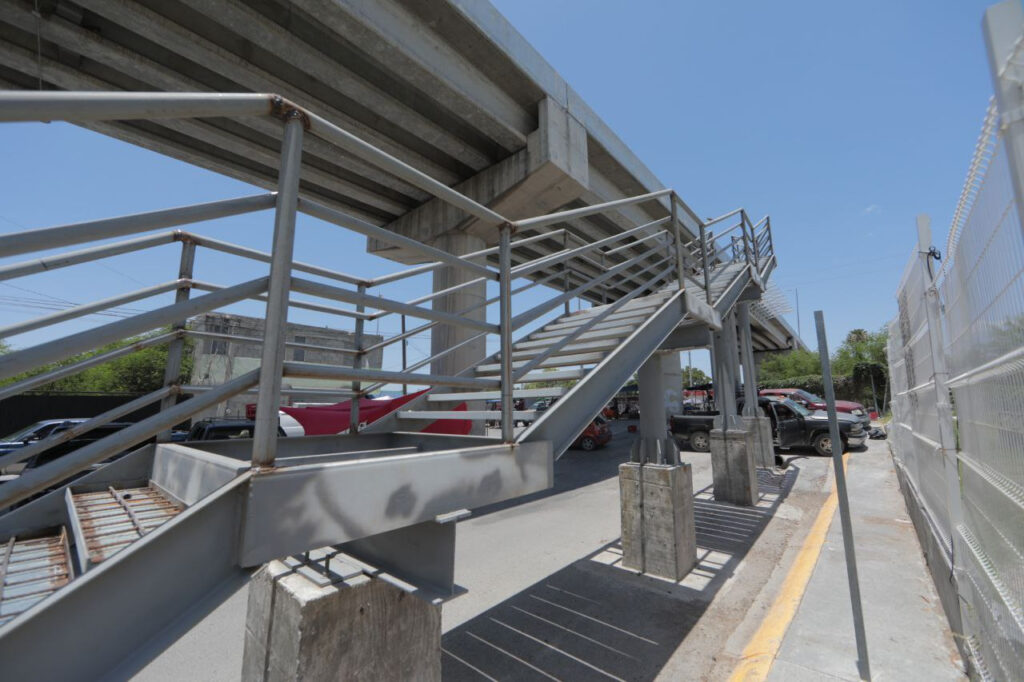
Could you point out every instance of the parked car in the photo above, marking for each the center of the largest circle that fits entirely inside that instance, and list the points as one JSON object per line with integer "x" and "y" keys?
{"x": 814, "y": 402}
{"x": 793, "y": 425}
{"x": 596, "y": 435}
{"x": 34, "y": 432}
{"x": 54, "y": 453}
{"x": 224, "y": 429}
{"x": 694, "y": 429}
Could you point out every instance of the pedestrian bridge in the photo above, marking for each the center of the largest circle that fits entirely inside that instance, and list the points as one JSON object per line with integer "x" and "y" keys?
{"x": 517, "y": 186}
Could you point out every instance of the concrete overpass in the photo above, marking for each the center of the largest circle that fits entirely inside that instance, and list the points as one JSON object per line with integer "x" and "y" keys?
{"x": 450, "y": 88}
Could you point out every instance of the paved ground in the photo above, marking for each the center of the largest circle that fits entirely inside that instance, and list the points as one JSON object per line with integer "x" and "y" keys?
{"x": 548, "y": 598}
{"x": 907, "y": 633}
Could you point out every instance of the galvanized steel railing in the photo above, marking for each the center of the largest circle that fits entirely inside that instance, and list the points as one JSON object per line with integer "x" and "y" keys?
{"x": 646, "y": 257}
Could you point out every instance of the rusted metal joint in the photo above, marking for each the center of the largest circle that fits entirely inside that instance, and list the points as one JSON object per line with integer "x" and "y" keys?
{"x": 508, "y": 225}
{"x": 287, "y": 111}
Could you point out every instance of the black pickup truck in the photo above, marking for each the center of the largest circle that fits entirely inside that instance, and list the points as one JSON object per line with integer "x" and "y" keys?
{"x": 792, "y": 426}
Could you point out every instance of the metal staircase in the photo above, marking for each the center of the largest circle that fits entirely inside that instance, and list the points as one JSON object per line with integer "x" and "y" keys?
{"x": 109, "y": 567}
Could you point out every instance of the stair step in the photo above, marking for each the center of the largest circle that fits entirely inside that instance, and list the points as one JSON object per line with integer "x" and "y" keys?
{"x": 107, "y": 521}
{"x": 639, "y": 302}
{"x": 554, "y": 375}
{"x": 553, "y": 391}
{"x": 558, "y": 361}
{"x": 620, "y": 318}
{"x": 545, "y": 338}
{"x": 474, "y": 415}
{"x": 31, "y": 570}
{"x": 587, "y": 347}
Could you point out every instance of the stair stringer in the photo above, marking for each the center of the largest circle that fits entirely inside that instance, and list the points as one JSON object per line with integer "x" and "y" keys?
{"x": 565, "y": 420}
{"x": 111, "y": 621}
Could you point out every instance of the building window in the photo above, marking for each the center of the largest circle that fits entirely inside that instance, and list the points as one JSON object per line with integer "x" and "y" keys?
{"x": 299, "y": 354}
{"x": 217, "y": 346}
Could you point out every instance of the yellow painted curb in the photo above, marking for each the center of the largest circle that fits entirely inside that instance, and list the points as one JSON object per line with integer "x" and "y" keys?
{"x": 763, "y": 647}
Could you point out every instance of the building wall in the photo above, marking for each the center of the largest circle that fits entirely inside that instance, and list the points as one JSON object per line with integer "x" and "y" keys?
{"x": 216, "y": 361}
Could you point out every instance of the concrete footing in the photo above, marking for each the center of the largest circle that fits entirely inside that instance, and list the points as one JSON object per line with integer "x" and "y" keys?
{"x": 303, "y": 624}
{"x": 764, "y": 451}
{"x": 732, "y": 465}
{"x": 658, "y": 532}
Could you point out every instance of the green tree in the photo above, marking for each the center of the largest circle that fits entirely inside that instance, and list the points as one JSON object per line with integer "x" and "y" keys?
{"x": 860, "y": 347}
{"x": 781, "y": 366}
{"x": 139, "y": 372}
{"x": 692, "y": 376}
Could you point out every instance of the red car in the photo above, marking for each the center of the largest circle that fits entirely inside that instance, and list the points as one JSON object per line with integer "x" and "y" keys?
{"x": 814, "y": 402}
{"x": 597, "y": 434}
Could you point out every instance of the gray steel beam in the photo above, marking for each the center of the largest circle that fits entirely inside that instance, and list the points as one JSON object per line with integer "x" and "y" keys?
{"x": 334, "y": 503}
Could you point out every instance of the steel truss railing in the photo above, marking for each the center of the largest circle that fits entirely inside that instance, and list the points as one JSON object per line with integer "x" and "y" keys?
{"x": 644, "y": 258}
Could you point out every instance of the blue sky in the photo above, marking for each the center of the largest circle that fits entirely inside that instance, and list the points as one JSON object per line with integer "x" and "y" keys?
{"x": 841, "y": 120}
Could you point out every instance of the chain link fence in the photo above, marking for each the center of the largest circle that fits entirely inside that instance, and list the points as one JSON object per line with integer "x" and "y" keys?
{"x": 956, "y": 358}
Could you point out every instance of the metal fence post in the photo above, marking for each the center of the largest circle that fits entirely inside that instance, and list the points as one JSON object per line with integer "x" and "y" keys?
{"x": 357, "y": 362}
{"x": 844, "y": 500}
{"x": 704, "y": 262}
{"x": 933, "y": 317}
{"x": 505, "y": 298}
{"x": 176, "y": 348}
{"x": 264, "y": 445}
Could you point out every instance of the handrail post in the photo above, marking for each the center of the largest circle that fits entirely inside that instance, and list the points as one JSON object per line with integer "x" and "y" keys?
{"x": 357, "y": 363}
{"x": 565, "y": 269}
{"x": 505, "y": 293}
{"x": 176, "y": 348}
{"x": 704, "y": 262}
{"x": 771, "y": 240}
{"x": 746, "y": 243}
{"x": 264, "y": 444}
{"x": 405, "y": 359}
{"x": 680, "y": 258}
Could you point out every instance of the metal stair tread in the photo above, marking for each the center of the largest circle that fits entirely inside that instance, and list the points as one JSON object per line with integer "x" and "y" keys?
{"x": 552, "y": 391}
{"x": 110, "y": 520}
{"x": 31, "y": 570}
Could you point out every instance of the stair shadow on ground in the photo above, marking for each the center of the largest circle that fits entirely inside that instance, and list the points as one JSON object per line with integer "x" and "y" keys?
{"x": 595, "y": 619}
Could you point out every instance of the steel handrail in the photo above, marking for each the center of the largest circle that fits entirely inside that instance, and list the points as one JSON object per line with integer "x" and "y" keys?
{"x": 93, "y": 230}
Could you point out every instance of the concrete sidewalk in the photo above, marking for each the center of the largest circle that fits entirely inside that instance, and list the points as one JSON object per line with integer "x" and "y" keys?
{"x": 907, "y": 633}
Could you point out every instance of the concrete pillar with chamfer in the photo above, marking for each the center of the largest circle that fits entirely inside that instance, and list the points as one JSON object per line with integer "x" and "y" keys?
{"x": 732, "y": 450}
{"x": 754, "y": 419}
{"x": 444, "y": 336}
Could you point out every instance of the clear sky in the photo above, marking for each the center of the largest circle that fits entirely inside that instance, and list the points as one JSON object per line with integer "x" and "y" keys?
{"x": 841, "y": 120}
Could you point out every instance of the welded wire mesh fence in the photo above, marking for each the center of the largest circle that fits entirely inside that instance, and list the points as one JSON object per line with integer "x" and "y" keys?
{"x": 956, "y": 356}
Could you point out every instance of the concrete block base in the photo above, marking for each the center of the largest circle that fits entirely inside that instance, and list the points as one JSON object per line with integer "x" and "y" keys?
{"x": 356, "y": 628}
{"x": 732, "y": 466}
{"x": 761, "y": 429}
{"x": 658, "y": 532}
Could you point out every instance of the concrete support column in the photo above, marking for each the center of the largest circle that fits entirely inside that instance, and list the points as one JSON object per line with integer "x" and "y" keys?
{"x": 335, "y": 623}
{"x": 672, "y": 382}
{"x": 732, "y": 446}
{"x": 652, "y": 401}
{"x": 444, "y": 336}
{"x": 754, "y": 419}
{"x": 658, "y": 532}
